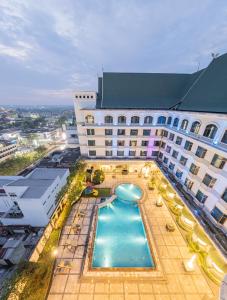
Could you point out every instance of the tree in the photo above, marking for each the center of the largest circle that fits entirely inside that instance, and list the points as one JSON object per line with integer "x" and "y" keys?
{"x": 98, "y": 177}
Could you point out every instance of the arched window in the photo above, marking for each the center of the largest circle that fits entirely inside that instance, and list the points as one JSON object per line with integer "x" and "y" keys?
{"x": 224, "y": 138}
{"x": 184, "y": 124}
{"x": 89, "y": 119}
{"x": 210, "y": 131}
{"x": 121, "y": 120}
{"x": 161, "y": 120}
{"x": 176, "y": 122}
{"x": 169, "y": 121}
{"x": 135, "y": 120}
{"x": 148, "y": 120}
{"x": 195, "y": 127}
{"x": 108, "y": 119}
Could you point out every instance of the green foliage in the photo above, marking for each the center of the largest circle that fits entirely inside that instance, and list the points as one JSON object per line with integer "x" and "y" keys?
{"x": 98, "y": 177}
{"x": 102, "y": 192}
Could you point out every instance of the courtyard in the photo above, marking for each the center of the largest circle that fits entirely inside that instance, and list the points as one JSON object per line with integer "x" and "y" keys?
{"x": 72, "y": 281}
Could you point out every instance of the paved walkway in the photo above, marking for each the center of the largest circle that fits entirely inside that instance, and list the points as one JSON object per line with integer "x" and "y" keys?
{"x": 171, "y": 247}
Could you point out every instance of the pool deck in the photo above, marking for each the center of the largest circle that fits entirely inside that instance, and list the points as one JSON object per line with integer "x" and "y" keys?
{"x": 171, "y": 248}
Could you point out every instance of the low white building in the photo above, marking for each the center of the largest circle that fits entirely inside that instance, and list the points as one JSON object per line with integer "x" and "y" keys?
{"x": 71, "y": 135}
{"x": 7, "y": 149}
{"x": 31, "y": 200}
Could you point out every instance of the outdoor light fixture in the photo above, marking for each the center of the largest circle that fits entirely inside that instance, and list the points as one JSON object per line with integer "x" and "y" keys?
{"x": 171, "y": 195}
{"x": 55, "y": 252}
{"x": 189, "y": 265}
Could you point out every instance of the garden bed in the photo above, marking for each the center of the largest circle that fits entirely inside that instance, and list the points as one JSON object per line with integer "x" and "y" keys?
{"x": 102, "y": 192}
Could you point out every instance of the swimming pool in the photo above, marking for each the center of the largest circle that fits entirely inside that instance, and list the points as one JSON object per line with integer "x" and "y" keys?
{"x": 120, "y": 240}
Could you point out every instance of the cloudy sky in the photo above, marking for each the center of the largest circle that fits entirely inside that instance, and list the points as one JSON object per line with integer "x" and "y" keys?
{"x": 50, "y": 48}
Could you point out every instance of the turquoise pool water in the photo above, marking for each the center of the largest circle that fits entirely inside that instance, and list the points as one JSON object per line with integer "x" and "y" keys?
{"x": 120, "y": 240}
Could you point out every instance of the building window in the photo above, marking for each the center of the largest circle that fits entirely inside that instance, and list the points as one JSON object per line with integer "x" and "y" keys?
{"x": 178, "y": 140}
{"x": 179, "y": 173}
{"x": 201, "y": 152}
{"x": 144, "y": 143}
{"x": 108, "y": 142}
{"x": 188, "y": 183}
{"x": 175, "y": 154}
{"x": 108, "y": 131}
{"x": 134, "y": 132}
{"x": 184, "y": 124}
{"x": 160, "y": 155}
{"x": 171, "y": 166}
{"x": 218, "y": 215}
{"x": 120, "y": 153}
{"x": 210, "y": 131}
{"x": 218, "y": 161}
{"x": 143, "y": 153}
{"x": 146, "y": 132}
{"x": 164, "y": 133}
{"x": 175, "y": 122}
{"x": 91, "y": 142}
{"x": 209, "y": 181}
{"x": 161, "y": 120}
{"x": 148, "y": 120}
{"x": 109, "y": 153}
{"x": 121, "y": 132}
{"x": 121, "y": 120}
{"x": 168, "y": 149}
{"x": 165, "y": 160}
{"x": 90, "y": 132}
{"x": 194, "y": 169}
{"x": 224, "y": 138}
{"x": 195, "y": 127}
{"x": 169, "y": 121}
{"x": 89, "y": 119}
{"x": 224, "y": 195}
{"x": 154, "y": 153}
{"x": 183, "y": 160}
{"x": 135, "y": 120}
{"x": 171, "y": 136}
{"x": 92, "y": 153}
{"x": 108, "y": 119}
{"x": 157, "y": 143}
{"x": 188, "y": 145}
{"x": 120, "y": 142}
{"x": 132, "y": 153}
{"x": 200, "y": 196}
{"x": 133, "y": 143}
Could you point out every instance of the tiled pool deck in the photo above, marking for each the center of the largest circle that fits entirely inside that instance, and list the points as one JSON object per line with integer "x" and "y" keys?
{"x": 171, "y": 248}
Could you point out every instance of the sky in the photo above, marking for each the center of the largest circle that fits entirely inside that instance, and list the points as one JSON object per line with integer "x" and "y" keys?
{"x": 51, "y": 48}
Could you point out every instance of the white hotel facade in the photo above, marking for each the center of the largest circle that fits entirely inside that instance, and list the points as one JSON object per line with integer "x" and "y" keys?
{"x": 180, "y": 120}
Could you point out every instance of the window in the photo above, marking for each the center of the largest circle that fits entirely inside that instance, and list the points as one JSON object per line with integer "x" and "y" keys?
{"x": 132, "y": 153}
{"x": 224, "y": 196}
{"x": 163, "y": 145}
{"x": 90, "y": 132}
{"x": 108, "y": 142}
{"x": 195, "y": 127}
{"x": 184, "y": 124}
{"x": 134, "y": 132}
{"x": 92, "y": 153}
{"x": 164, "y": 133}
{"x": 108, "y": 119}
{"x": 171, "y": 166}
{"x": 183, "y": 160}
{"x": 89, "y": 119}
{"x": 218, "y": 215}
{"x": 160, "y": 155}
{"x": 157, "y": 143}
{"x": 133, "y": 143}
{"x": 144, "y": 143}
{"x": 148, "y": 120}
{"x": 169, "y": 121}
{"x": 175, "y": 122}
{"x": 178, "y": 140}
{"x": 135, "y": 120}
{"x": 171, "y": 136}
{"x": 188, "y": 183}
{"x": 120, "y": 153}
{"x": 91, "y": 142}
{"x": 121, "y": 120}
{"x": 146, "y": 132}
{"x": 165, "y": 160}
{"x": 179, "y": 173}
{"x": 188, "y": 145}
{"x": 108, "y": 131}
{"x": 175, "y": 154}
{"x": 209, "y": 181}
{"x": 121, "y": 143}
{"x": 121, "y": 132}
{"x": 73, "y": 135}
{"x": 161, "y": 120}
{"x": 168, "y": 149}
{"x": 154, "y": 153}
{"x": 201, "y": 152}
{"x": 109, "y": 153}
{"x": 200, "y": 196}
{"x": 143, "y": 153}
{"x": 218, "y": 161}
{"x": 224, "y": 138}
{"x": 210, "y": 131}
{"x": 194, "y": 169}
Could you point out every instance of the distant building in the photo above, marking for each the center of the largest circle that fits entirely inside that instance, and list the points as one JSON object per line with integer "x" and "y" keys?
{"x": 7, "y": 149}
{"x": 30, "y": 200}
{"x": 12, "y": 252}
{"x": 71, "y": 136}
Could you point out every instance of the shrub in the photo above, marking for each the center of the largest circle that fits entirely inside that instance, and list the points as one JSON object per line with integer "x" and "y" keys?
{"x": 98, "y": 177}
